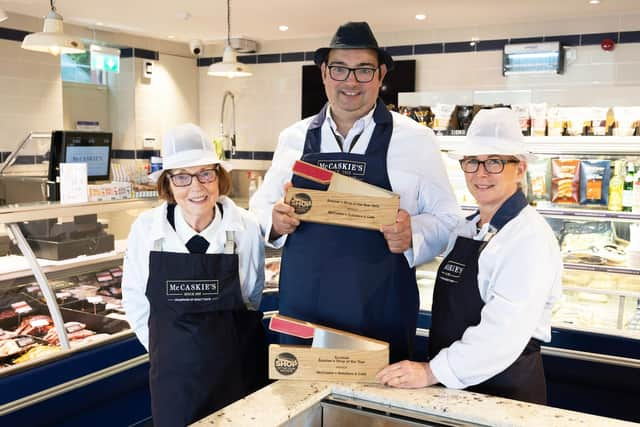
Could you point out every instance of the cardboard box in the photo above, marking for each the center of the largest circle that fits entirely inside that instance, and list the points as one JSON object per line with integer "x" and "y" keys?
{"x": 350, "y": 357}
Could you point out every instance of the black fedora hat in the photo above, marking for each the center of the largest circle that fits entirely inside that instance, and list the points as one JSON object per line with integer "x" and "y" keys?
{"x": 353, "y": 35}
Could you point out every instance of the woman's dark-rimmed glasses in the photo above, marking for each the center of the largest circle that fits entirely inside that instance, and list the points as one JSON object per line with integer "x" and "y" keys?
{"x": 493, "y": 166}
{"x": 341, "y": 73}
{"x": 184, "y": 179}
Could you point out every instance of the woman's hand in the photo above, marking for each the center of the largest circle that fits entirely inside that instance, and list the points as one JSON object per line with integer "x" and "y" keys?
{"x": 407, "y": 374}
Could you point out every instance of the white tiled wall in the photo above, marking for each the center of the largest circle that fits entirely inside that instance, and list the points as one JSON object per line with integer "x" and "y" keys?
{"x": 31, "y": 94}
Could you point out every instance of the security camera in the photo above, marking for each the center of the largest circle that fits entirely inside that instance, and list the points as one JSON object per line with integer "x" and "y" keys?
{"x": 196, "y": 48}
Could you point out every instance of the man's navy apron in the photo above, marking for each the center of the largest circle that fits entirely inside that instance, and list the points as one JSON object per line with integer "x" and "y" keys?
{"x": 346, "y": 278}
{"x": 206, "y": 350}
{"x": 457, "y": 305}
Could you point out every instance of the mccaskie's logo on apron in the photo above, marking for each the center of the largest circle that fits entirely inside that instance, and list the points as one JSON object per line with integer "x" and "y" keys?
{"x": 452, "y": 271}
{"x": 190, "y": 290}
{"x": 301, "y": 203}
{"x": 344, "y": 167}
{"x": 286, "y": 363}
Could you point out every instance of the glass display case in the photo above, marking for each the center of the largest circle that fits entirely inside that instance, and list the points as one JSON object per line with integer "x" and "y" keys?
{"x": 592, "y": 363}
{"x": 63, "y": 332}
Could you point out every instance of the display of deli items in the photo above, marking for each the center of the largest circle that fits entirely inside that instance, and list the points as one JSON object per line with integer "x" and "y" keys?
{"x": 90, "y": 304}
{"x": 538, "y": 119}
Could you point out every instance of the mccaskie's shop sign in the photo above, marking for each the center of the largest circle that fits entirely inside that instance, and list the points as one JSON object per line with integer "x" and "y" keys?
{"x": 192, "y": 290}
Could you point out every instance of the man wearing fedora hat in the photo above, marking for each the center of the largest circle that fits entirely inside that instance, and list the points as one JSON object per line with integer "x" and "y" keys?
{"x": 497, "y": 284}
{"x": 192, "y": 284}
{"x": 357, "y": 280}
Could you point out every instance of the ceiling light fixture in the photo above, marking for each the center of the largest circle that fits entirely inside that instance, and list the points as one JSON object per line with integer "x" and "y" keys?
{"x": 421, "y": 17}
{"x": 52, "y": 39}
{"x": 283, "y": 28}
{"x": 3, "y": 15}
{"x": 594, "y": 1}
{"x": 229, "y": 67}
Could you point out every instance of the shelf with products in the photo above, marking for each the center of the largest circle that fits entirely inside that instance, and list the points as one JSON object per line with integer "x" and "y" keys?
{"x": 51, "y": 308}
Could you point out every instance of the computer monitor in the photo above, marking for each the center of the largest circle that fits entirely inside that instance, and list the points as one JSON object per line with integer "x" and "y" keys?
{"x": 92, "y": 148}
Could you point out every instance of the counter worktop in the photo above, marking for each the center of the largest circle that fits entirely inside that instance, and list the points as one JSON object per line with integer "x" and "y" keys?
{"x": 283, "y": 400}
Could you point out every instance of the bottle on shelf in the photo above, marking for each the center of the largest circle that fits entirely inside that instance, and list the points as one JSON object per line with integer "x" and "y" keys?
{"x": 616, "y": 185}
{"x": 627, "y": 188}
{"x": 636, "y": 194}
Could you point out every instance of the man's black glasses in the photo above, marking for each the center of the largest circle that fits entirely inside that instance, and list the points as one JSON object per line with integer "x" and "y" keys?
{"x": 340, "y": 73}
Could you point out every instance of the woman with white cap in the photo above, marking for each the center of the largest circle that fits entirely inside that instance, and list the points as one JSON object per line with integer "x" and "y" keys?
{"x": 192, "y": 284}
{"x": 498, "y": 281}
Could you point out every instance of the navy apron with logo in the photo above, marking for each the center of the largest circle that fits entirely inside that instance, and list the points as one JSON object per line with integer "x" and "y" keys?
{"x": 344, "y": 277}
{"x": 206, "y": 350}
{"x": 457, "y": 305}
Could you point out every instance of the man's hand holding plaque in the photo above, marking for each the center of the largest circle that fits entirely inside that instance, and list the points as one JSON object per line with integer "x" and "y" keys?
{"x": 342, "y": 200}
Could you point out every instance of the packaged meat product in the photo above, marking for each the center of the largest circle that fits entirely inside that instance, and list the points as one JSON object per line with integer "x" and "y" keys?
{"x": 598, "y": 116}
{"x": 37, "y": 325}
{"x": 626, "y": 120}
{"x": 538, "y": 114}
{"x": 577, "y": 120}
{"x": 443, "y": 115}
{"x": 565, "y": 186}
{"x": 524, "y": 117}
{"x": 36, "y": 352}
{"x": 586, "y": 235}
{"x": 594, "y": 182}
{"x": 555, "y": 121}
{"x": 539, "y": 180}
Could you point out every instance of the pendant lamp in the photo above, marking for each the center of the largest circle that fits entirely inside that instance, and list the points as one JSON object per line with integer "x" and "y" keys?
{"x": 229, "y": 67}
{"x": 52, "y": 39}
{"x": 3, "y": 15}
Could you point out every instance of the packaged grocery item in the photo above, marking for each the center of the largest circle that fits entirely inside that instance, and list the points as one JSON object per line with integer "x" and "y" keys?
{"x": 594, "y": 181}
{"x": 539, "y": 180}
{"x": 565, "y": 186}
{"x": 626, "y": 120}
{"x": 443, "y": 117}
{"x": 577, "y": 120}
{"x": 586, "y": 235}
{"x": 524, "y": 117}
{"x": 538, "y": 114}
{"x": 555, "y": 121}
{"x": 464, "y": 114}
{"x": 598, "y": 116}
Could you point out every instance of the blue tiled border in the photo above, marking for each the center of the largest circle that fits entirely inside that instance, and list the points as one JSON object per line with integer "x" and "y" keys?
{"x": 418, "y": 49}
{"x": 134, "y": 154}
{"x": 449, "y": 47}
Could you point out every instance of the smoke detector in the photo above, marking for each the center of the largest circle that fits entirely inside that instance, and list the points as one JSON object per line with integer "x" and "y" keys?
{"x": 242, "y": 45}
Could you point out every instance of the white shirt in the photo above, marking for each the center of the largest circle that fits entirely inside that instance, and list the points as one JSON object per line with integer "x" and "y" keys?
{"x": 152, "y": 231}
{"x": 416, "y": 173}
{"x": 519, "y": 279}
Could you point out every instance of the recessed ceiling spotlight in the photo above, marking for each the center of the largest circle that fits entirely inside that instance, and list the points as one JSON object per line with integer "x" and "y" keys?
{"x": 100, "y": 24}
{"x": 171, "y": 37}
{"x": 421, "y": 17}
{"x": 594, "y": 1}
{"x": 283, "y": 28}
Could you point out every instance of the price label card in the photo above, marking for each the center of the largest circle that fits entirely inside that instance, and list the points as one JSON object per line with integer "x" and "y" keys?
{"x": 95, "y": 300}
{"x": 39, "y": 323}
{"x": 73, "y": 183}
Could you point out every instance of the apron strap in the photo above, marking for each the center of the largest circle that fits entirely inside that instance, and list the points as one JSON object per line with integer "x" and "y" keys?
{"x": 230, "y": 244}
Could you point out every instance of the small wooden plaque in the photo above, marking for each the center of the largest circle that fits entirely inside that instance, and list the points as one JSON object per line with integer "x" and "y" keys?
{"x": 292, "y": 362}
{"x": 347, "y": 209}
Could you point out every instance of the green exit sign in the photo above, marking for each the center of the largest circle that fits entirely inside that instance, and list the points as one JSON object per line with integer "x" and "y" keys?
{"x": 105, "y": 62}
